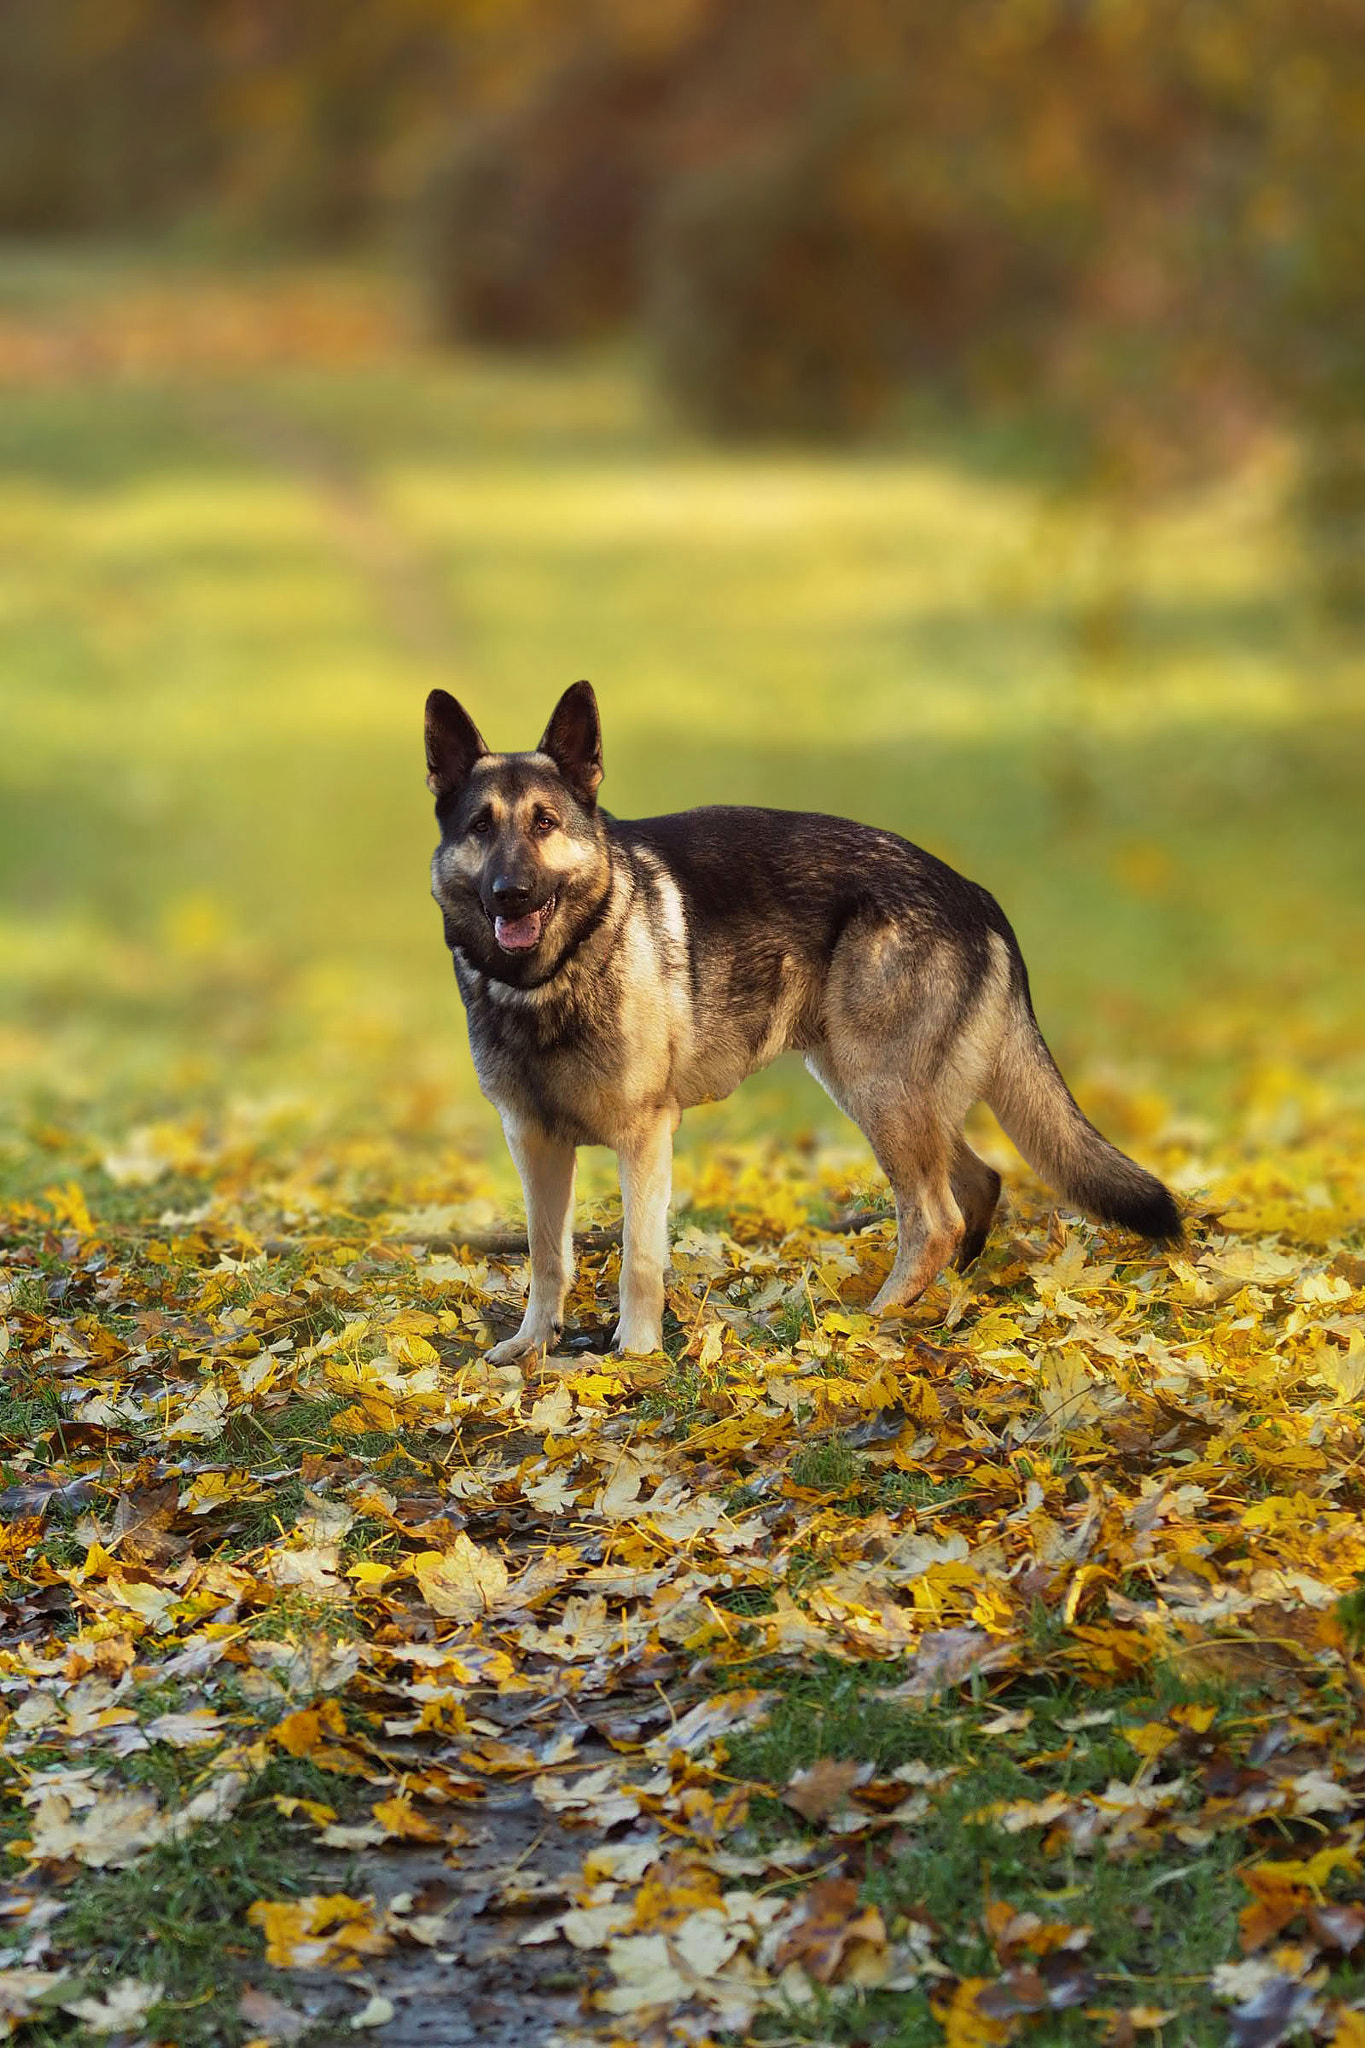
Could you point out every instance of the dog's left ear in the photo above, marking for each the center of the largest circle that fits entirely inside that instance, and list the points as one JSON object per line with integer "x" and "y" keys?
{"x": 573, "y": 740}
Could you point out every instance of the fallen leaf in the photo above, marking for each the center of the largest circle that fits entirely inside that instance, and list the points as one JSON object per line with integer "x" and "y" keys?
{"x": 270, "y": 2019}
{"x": 125, "y": 2005}
{"x": 817, "y": 1792}
{"x": 461, "y": 1583}
{"x": 319, "y": 1932}
{"x": 108, "y": 1835}
{"x": 377, "y": 2012}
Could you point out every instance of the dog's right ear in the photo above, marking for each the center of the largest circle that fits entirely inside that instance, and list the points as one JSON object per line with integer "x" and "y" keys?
{"x": 453, "y": 743}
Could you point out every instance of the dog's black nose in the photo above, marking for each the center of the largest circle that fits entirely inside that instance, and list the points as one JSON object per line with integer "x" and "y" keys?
{"x": 510, "y": 894}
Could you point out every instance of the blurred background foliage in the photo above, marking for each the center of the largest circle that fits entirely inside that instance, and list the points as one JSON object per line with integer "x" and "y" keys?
{"x": 946, "y": 415}
{"x": 1148, "y": 215}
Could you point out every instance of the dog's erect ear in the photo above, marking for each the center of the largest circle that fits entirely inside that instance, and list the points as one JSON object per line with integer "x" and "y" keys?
{"x": 453, "y": 743}
{"x": 573, "y": 740}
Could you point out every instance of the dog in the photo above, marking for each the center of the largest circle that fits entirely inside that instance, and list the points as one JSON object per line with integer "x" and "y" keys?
{"x": 617, "y": 972}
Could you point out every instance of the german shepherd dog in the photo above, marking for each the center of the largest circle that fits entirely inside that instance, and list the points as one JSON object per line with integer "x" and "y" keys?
{"x": 615, "y": 973}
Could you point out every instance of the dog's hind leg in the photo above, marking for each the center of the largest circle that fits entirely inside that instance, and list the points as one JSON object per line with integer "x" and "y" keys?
{"x": 976, "y": 1190}
{"x": 915, "y": 1150}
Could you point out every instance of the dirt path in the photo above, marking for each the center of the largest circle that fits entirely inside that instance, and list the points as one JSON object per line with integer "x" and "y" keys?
{"x": 412, "y": 596}
{"x": 479, "y": 1983}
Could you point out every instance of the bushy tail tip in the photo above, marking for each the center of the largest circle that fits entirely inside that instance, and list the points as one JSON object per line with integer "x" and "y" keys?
{"x": 1148, "y": 1208}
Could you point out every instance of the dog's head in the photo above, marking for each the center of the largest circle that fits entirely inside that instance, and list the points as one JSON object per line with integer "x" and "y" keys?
{"x": 522, "y": 858}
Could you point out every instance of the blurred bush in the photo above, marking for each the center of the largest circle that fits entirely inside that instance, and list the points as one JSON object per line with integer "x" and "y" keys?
{"x": 781, "y": 288}
{"x": 1148, "y": 212}
{"x": 799, "y": 285}
{"x": 1147, "y": 215}
{"x": 532, "y": 229}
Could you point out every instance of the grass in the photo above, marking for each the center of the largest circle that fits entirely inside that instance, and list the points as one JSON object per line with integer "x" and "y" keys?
{"x": 827, "y": 1468}
{"x": 839, "y": 1469}
{"x": 301, "y": 1617}
{"x": 299, "y": 1427}
{"x": 1156, "y": 1925}
{"x": 177, "y": 1918}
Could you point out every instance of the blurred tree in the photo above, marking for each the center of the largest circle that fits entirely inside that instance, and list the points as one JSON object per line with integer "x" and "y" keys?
{"x": 1150, "y": 213}
{"x": 533, "y": 227}
{"x": 281, "y": 116}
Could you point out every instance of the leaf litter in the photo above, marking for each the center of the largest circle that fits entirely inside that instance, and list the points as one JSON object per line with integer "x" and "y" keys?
{"x": 515, "y": 1630}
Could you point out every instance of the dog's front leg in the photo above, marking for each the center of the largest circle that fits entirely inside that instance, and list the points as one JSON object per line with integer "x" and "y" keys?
{"x": 646, "y": 1162}
{"x": 546, "y": 1166}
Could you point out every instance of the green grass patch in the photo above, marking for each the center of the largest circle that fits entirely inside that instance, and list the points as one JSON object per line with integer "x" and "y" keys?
{"x": 178, "y": 1918}
{"x": 256, "y": 1437}
{"x": 677, "y": 1401}
{"x": 896, "y": 1491}
{"x": 294, "y": 1617}
{"x": 1160, "y": 1920}
{"x": 832, "y": 1467}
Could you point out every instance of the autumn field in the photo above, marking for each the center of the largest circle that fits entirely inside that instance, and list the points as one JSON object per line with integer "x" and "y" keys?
{"x": 990, "y": 1674}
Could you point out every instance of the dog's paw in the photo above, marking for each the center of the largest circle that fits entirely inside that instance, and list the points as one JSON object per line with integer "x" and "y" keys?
{"x": 525, "y": 1341}
{"x": 637, "y": 1339}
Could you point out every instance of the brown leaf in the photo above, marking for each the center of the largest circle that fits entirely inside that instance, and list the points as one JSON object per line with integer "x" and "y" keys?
{"x": 1274, "y": 1904}
{"x": 1336, "y": 1926}
{"x": 1275, "y": 2013}
{"x": 817, "y": 1792}
{"x": 829, "y": 1925}
{"x": 1019, "y": 1990}
{"x": 270, "y": 2019}
{"x": 141, "y": 1528}
{"x": 1058, "y": 1982}
{"x": 948, "y": 1656}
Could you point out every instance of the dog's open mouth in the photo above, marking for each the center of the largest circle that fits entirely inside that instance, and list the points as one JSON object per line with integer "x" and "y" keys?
{"x": 522, "y": 934}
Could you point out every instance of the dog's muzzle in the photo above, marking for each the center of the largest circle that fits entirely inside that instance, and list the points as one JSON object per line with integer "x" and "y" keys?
{"x": 522, "y": 934}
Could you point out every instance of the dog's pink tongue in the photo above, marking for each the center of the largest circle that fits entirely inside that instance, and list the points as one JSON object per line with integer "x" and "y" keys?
{"x": 517, "y": 934}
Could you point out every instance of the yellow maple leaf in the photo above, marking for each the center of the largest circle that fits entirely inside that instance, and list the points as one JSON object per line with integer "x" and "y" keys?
{"x": 964, "y": 2026}
{"x": 302, "y": 1733}
{"x": 209, "y": 1490}
{"x": 673, "y": 1889}
{"x": 400, "y": 1818}
{"x": 462, "y": 1582}
{"x": 288, "y": 1804}
{"x": 410, "y": 1349}
{"x": 1148, "y": 1738}
{"x": 318, "y": 1932}
{"x": 1312, "y": 1870}
{"x": 370, "y": 1573}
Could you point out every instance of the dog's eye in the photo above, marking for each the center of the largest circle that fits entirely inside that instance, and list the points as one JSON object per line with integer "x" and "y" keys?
{"x": 481, "y": 826}
{"x": 545, "y": 823}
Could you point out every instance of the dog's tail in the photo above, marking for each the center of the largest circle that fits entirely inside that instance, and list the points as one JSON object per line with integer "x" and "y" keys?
{"x": 1038, "y": 1111}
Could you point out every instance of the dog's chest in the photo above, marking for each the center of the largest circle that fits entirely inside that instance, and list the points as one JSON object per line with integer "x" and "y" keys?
{"x": 589, "y": 1054}
{"x": 581, "y": 1065}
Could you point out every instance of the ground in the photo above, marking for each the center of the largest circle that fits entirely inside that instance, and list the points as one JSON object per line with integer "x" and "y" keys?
{"x": 990, "y": 1674}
